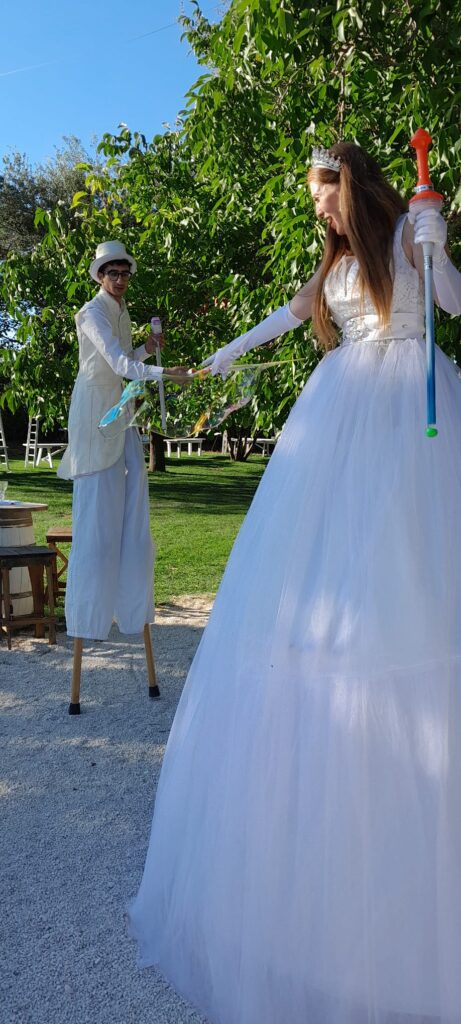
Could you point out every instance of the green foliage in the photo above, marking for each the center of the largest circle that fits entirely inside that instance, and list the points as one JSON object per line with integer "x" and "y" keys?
{"x": 37, "y": 346}
{"x": 24, "y": 190}
{"x": 216, "y": 210}
{"x": 287, "y": 74}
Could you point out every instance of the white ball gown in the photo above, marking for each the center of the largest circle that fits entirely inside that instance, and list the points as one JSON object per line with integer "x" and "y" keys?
{"x": 304, "y": 865}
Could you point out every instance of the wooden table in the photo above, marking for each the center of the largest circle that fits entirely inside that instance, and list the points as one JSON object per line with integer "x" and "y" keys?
{"x": 36, "y": 560}
{"x": 16, "y": 530}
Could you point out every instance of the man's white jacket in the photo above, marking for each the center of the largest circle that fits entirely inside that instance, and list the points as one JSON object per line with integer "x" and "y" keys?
{"x": 106, "y": 356}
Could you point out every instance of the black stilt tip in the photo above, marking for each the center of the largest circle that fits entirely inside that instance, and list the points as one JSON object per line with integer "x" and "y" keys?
{"x": 74, "y": 709}
{"x": 154, "y": 692}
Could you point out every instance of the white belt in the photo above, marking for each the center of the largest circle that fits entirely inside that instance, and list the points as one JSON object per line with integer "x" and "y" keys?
{"x": 366, "y": 328}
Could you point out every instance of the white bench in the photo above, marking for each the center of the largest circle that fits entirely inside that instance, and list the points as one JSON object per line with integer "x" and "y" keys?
{"x": 50, "y": 450}
{"x": 267, "y": 444}
{"x": 189, "y": 442}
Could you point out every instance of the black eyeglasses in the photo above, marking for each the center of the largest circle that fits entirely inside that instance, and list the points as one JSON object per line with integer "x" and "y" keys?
{"x": 115, "y": 274}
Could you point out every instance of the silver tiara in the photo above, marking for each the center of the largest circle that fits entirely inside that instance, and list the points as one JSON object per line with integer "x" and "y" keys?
{"x": 322, "y": 158}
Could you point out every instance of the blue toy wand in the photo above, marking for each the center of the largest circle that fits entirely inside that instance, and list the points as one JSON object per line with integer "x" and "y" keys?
{"x": 425, "y": 195}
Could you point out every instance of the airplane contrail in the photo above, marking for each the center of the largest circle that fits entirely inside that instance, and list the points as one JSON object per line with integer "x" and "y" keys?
{"x": 59, "y": 60}
{"x": 31, "y": 67}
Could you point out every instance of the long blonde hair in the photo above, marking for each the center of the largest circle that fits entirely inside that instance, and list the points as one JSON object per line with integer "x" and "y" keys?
{"x": 370, "y": 208}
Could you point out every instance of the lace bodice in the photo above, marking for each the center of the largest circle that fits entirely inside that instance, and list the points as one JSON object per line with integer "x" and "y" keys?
{"x": 358, "y": 321}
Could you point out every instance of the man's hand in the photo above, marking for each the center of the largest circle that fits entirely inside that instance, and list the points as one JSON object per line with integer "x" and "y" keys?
{"x": 152, "y": 342}
{"x": 178, "y": 374}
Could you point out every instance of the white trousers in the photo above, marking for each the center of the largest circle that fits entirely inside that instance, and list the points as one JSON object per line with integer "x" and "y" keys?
{"x": 110, "y": 574}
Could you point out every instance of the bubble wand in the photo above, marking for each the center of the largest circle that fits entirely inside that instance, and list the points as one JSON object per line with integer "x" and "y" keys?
{"x": 425, "y": 199}
{"x": 156, "y": 325}
{"x": 121, "y": 416}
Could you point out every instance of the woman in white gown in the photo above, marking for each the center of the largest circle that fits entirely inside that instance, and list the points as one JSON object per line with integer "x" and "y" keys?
{"x": 305, "y": 857}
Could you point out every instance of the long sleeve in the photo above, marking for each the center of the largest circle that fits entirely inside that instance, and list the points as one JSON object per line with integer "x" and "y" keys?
{"x": 277, "y": 323}
{"x": 430, "y": 226}
{"x": 97, "y": 328}
{"x": 140, "y": 353}
{"x": 447, "y": 282}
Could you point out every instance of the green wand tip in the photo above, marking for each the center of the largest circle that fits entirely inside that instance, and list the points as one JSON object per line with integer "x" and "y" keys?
{"x": 431, "y": 432}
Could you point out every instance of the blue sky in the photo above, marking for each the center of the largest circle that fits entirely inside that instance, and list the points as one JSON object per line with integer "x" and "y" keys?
{"x": 95, "y": 72}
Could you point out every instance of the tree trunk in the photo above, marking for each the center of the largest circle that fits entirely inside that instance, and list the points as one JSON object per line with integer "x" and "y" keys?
{"x": 241, "y": 446}
{"x": 156, "y": 453}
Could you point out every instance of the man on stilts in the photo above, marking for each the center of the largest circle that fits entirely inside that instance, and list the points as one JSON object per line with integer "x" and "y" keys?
{"x": 110, "y": 572}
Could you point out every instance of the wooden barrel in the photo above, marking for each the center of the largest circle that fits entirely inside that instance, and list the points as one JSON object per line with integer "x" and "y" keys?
{"x": 16, "y": 530}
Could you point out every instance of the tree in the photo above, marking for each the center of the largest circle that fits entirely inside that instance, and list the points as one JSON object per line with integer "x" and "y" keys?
{"x": 31, "y": 365}
{"x": 24, "y": 190}
{"x": 217, "y": 211}
{"x": 287, "y": 74}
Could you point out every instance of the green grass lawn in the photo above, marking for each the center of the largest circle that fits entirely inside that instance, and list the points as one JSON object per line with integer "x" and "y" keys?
{"x": 196, "y": 509}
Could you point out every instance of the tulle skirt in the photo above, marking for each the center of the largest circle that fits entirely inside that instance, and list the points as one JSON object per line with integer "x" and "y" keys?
{"x": 304, "y": 865}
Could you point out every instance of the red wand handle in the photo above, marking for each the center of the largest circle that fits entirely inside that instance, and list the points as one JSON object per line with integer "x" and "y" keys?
{"x": 424, "y": 199}
{"x": 421, "y": 141}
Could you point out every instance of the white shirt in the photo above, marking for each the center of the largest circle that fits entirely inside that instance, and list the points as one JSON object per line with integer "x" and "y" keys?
{"x": 106, "y": 326}
{"x": 106, "y": 356}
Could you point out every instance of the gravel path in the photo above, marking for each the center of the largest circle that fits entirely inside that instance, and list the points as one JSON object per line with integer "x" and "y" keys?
{"x": 76, "y": 800}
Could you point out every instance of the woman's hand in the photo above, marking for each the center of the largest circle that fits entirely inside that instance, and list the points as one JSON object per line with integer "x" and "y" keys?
{"x": 429, "y": 226}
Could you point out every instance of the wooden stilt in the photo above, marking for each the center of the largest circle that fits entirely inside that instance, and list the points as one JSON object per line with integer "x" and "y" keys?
{"x": 74, "y": 706}
{"x": 153, "y": 687}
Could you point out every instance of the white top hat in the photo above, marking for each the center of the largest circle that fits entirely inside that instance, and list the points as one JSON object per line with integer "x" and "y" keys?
{"x": 108, "y": 252}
